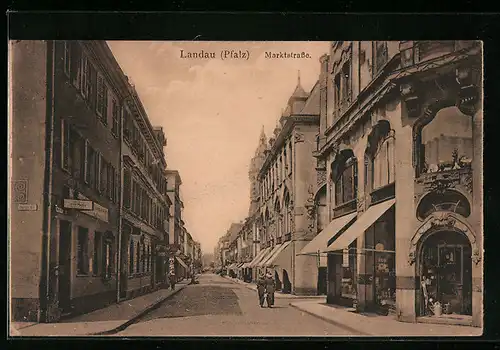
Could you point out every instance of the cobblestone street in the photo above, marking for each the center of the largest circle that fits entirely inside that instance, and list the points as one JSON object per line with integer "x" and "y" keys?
{"x": 218, "y": 307}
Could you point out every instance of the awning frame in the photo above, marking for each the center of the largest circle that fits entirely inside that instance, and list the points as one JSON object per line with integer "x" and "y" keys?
{"x": 273, "y": 257}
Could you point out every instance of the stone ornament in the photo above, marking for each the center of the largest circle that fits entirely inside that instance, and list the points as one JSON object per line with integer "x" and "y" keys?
{"x": 299, "y": 137}
{"x": 443, "y": 220}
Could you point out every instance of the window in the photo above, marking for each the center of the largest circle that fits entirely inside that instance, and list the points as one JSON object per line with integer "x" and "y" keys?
{"x": 115, "y": 127}
{"x": 107, "y": 260}
{"x": 75, "y": 63}
{"x": 85, "y": 85}
{"x": 89, "y": 164}
{"x": 127, "y": 125}
{"x": 127, "y": 187}
{"x": 97, "y": 172}
{"x": 345, "y": 185}
{"x": 131, "y": 258}
{"x": 380, "y": 55}
{"x": 67, "y": 58}
{"x": 65, "y": 144}
{"x": 82, "y": 266}
{"x": 97, "y": 251}
{"x": 336, "y": 82}
{"x": 111, "y": 182}
{"x": 75, "y": 145}
{"x": 104, "y": 176}
{"x": 346, "y": 84}
{"x": 102, "y": 99}
{"x": 383, "y": 164}
{"x": 85, "y": 161}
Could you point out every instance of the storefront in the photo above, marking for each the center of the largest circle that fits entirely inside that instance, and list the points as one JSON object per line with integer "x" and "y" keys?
{"x": 361, "y": 267}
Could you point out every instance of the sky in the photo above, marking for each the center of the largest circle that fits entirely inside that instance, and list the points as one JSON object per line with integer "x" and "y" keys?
{"x": 212, "y": 112}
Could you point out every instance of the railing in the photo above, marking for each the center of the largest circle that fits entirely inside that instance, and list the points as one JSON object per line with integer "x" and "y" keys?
{"x": 345, "y": 208}
{"x": 413, "y": 52}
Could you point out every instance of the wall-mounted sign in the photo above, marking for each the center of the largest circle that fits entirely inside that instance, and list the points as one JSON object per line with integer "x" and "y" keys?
{"x": 27, "y": 207}
{"x": 78, "y": 204}
{"x": 59, "y": 210}
{"x": 98, "y": 211}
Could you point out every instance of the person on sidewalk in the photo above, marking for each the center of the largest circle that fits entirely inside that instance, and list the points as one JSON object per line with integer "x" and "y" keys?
{"x": 172, "y": 280}
{"x": 270, "y": 288}
{"x": 261, "y": 289}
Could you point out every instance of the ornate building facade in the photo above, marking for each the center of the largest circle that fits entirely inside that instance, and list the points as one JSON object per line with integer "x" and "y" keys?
{"x": 400, "y": 144}
{"x": 287, "y": 180}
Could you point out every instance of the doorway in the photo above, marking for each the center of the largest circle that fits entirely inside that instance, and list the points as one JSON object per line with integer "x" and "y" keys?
{"x": 64, "y": 290}
{"x": 287, "y": 285}
{"x": 446, "y": 273}
{"x": 322, "y": 280}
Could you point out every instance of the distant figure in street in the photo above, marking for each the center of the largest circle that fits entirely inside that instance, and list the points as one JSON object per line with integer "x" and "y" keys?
{"x": 171, "y": 279}
{"x": 261, "y": 289}
{"x": 270, "y": 288}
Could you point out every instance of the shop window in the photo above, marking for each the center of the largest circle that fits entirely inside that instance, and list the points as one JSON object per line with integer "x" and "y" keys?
{"x": 138, "y": 258}
{"x": 445, "y": 142}
{"x": 446, "y": 274}
{"x": 82, "y": 247}
{"x": 349, "y": 272}
{"x": 131, "y": 255}
{"x": 107, "y": 259}
{"x": 97, "y": 253}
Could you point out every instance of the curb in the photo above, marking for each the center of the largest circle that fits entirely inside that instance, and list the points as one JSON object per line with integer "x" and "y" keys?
{"x": 336, "y": 323}
{"x": 147, "y": 310}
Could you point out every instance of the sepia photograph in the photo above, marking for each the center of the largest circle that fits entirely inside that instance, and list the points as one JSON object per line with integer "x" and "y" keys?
{"x": 245, "y": 188}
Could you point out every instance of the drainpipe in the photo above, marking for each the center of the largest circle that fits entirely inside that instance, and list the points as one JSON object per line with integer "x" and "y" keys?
{"x": 47, "y": 193}
{"x": 120, "y": 211}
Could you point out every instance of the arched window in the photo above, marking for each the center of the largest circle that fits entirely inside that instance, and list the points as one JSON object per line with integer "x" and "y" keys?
{"x": 380, "y": 166}
{"x": 344, "y": 175}
{"x": 131, "y": 258}
{"x": 286, "y": 215}
{"x": 278, "y": 219}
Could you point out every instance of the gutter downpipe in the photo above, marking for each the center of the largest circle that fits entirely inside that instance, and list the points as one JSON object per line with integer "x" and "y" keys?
{"x": 120, "y": 211}
{"x": 47, "y": 193}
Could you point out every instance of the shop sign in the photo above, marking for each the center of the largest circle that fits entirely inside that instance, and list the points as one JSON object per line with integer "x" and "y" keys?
{"x": 99, "y": 212}
{"x": 59, "y": 210}
{"x": 78, "y": 204}
{"x": 27, "y": 207}
{"x": 345, "y": 258}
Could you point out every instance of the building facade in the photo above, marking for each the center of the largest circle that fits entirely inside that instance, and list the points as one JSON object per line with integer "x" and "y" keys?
{"x": 176, "y": 248}
{"x": 65, "y": 202}
{"x": 400, "y": 148}
{"x": 145, "y": 221}
{"x": 287, "y": 180}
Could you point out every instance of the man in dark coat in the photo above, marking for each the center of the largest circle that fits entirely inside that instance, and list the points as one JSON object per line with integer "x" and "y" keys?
{"x": 270, "y": 288}
{"x": 261, "y": 289}
{"x": 172, "y": 279}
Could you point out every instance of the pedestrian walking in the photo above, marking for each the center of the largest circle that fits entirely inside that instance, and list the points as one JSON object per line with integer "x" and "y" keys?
{"x": 261, "y": 289}
{"x": 171, "y": 279}
{"x": 270, "y": 288}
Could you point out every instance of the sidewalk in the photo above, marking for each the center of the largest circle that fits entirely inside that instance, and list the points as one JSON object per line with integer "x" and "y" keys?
{"x": 107, "y": 320}
{"x": 278, "y": 294}
{"x": 379, "y": 326}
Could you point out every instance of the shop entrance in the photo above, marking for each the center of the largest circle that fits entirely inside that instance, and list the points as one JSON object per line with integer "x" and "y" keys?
{"x": 287, "y": 285}
{"x": 446, "y": 274}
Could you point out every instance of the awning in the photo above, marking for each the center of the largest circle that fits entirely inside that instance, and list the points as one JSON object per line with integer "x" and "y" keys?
{"x": 360, "y": 225}
{"x": 246, "y": 265}
{"x": 274, "y": 257}
{"x": 267, "y": 256}
{"x": 179, "y": 260}
{"x": 259, "y": 257}
{"x": 320, "y": 242}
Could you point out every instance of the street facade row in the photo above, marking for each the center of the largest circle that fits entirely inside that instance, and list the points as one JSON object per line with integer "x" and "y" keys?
{"x": 370, "y": 188}
{"x": 95, "y": 216}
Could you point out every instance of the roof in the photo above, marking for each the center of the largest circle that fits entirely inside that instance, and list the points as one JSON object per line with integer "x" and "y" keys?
{"x": 312, "y": 103}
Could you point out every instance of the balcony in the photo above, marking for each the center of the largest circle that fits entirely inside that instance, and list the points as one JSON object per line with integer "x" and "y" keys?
{"x": 444, "y": 180}
{"x": 345, "y": 208}
{"x": 413, "y": 52}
